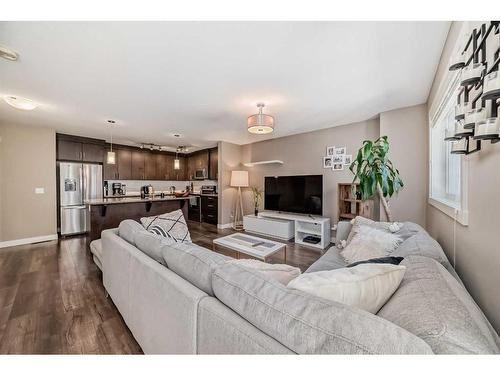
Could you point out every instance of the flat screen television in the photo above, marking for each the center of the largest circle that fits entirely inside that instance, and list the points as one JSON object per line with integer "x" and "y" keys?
{"x": 294, "y": 194}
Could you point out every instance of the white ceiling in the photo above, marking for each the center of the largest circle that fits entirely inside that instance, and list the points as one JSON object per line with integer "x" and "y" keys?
{"x": 202, "y": 79}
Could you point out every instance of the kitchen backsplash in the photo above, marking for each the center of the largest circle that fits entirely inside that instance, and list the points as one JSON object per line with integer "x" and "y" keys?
{"x": 134, "y": 186}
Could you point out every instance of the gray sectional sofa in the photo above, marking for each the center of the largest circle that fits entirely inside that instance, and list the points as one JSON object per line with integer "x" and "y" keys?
{"x": 183, "y": 298}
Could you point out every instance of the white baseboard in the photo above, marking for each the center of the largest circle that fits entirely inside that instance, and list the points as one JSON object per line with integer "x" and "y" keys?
{"x": 25, "y": 241}
{"x": 225, "y": 226}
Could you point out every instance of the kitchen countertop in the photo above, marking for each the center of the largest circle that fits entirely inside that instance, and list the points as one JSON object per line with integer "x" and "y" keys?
{"x": 129, "y": 199}
{"x": 205, "y": 194}
{"x": 135, "y": 195}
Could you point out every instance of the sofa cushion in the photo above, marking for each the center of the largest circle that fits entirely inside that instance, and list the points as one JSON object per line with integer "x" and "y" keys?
{"x": 431, "y": 304}
{"x": 308, "y": 324}
{"x": 127, "y": 230}
{"x": 331, "y": 260}
{"x": 150, "y": 244}
{"x": 280, "y": 272}
{"x": 193, "y": 263}
{"x": 171, "y": 225}
{"x": 421, "y": 244}
{"x": 366, "y": 286}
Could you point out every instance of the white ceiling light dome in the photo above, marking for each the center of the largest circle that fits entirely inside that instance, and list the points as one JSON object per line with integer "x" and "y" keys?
{"x": 260, "y": 123}
{"x": 20, "y": 103}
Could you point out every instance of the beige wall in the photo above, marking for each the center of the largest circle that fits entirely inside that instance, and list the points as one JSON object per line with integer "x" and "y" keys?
{"x": 477, "y": 245}
{"x": 229, "y": 160}
{"x": 407, "y": 134}
{"x": 27, "y": 161}
{"x": 303, "y": 154}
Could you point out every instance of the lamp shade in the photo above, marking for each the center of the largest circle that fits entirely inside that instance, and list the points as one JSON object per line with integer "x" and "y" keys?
{"x": 239, "y": 178}
{"x": 111, "y": 157}
{"x": 260, "y": 123}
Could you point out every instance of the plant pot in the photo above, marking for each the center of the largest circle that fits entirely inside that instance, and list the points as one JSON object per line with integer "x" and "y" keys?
{"x": 256, "y": 212}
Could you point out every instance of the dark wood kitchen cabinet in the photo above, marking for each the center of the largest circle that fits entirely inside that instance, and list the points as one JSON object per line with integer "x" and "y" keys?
{"x": 162, "y": 171}
{"x": 69, "y": 150}
{"x": 124, "y": 163}
{"x": 110, "y": 171}
{"x": 138, "y": 165}
{"x": 213, "y": 163}
{"x": 197, "y": 160}
{"x": 150, "y": 166}
{"x": 73, "y": 148}
{"x": 93, "y": 153}
{"x": 181, "y": 173}
{"x": 209, "y": 209}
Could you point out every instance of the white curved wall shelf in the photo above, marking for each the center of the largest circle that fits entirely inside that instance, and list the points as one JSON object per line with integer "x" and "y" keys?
{"x": 252, "y": 164}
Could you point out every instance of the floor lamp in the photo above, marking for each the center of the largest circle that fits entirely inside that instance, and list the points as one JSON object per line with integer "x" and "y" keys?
{"x": 239, "y": 179}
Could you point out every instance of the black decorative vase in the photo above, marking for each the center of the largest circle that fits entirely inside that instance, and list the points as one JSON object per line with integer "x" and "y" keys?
{"x": 256, "y": 211}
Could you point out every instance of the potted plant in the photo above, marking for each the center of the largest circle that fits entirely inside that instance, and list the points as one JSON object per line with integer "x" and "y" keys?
{"x": 376, "y": 173}
{"x": 257, "y": 196}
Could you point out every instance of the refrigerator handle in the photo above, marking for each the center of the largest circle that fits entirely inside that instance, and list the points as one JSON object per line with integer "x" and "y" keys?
{"x": 82, "y": 183}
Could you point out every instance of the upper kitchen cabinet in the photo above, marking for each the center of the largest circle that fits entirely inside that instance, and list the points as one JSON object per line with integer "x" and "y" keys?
{"x": 73, "y": 148}
{"x": 162, "y": 167}
{"x": 213, "y": 166}
{"x": 124, "y": 162}
{"x": 93, "y": 152}
{"x": 181, "y": 173}
{"x": 197, "y": 161}
{"x": 150, "y": 166}
{"x": 138, "y": 159}
{"x": 69, "y": 150}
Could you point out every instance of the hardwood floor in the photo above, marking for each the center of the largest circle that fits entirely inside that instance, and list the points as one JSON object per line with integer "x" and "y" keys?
{"x": 52, "y": 299}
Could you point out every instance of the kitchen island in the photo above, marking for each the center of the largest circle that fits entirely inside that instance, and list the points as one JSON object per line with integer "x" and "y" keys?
{"x": 107, "y": 213}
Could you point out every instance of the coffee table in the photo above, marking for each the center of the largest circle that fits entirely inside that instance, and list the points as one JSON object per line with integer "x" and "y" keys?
{"x": 252, "y": 246}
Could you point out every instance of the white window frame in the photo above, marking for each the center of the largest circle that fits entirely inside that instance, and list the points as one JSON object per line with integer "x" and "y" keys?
{"x": 460, "y": 214}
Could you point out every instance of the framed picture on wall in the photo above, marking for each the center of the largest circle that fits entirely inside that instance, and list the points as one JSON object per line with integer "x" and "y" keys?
{"x": 338, "y": 167}
{"x": 340, "y": 150}
{"x": 347, "y": 159}
{"x": 330, "y": 151}
{"x": 338, "y": 159}
{"x": 327, "y": 162}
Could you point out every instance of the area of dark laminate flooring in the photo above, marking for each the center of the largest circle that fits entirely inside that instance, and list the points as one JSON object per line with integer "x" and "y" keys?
{"x": 52, "y": 299}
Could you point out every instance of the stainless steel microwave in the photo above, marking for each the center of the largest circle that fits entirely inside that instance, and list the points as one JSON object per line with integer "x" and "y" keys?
{"x": 200, "y": 174}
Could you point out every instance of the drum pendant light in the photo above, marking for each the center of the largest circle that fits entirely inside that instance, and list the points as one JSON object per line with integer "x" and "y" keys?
{"x": 260, "y": 123}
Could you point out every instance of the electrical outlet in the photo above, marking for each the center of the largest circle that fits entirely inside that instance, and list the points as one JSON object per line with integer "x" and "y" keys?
{"x": 39, "y": 190}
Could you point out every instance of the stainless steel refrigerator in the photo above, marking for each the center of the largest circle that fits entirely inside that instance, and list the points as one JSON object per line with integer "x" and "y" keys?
{"x": 78, "y": 182}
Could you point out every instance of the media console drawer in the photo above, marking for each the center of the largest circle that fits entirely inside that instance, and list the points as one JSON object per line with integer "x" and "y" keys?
{"x": 272, "y": 227}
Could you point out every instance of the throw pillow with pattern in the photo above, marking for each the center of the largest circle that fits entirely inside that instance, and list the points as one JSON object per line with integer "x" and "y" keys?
{"x": 171, "y": 225}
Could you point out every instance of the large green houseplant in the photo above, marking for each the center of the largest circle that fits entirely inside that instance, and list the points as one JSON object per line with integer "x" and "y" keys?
{"x": 376, "y": 173}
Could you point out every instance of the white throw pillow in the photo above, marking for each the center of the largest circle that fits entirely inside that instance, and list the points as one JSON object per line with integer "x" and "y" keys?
{"x": 171, "y": 225}
{"x": 365, "y": 286}
{"x": 382, "y": 225}
{"x": 279, "y": 272}
{"x": 368, "y": 242}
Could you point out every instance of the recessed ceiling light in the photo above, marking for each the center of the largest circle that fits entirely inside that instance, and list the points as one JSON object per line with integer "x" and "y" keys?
{"x": 8, "y": 54}
{"x": 20, "y": 103}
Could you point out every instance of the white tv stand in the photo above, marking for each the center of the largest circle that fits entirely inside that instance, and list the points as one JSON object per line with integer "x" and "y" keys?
{"x": 287, "y": 226}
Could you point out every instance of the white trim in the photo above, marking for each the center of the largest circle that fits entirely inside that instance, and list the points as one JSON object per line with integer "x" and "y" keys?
{"x": 30, "y": 240}
{"x": 461, "y": 215}
{"x": 225, "y": 226}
